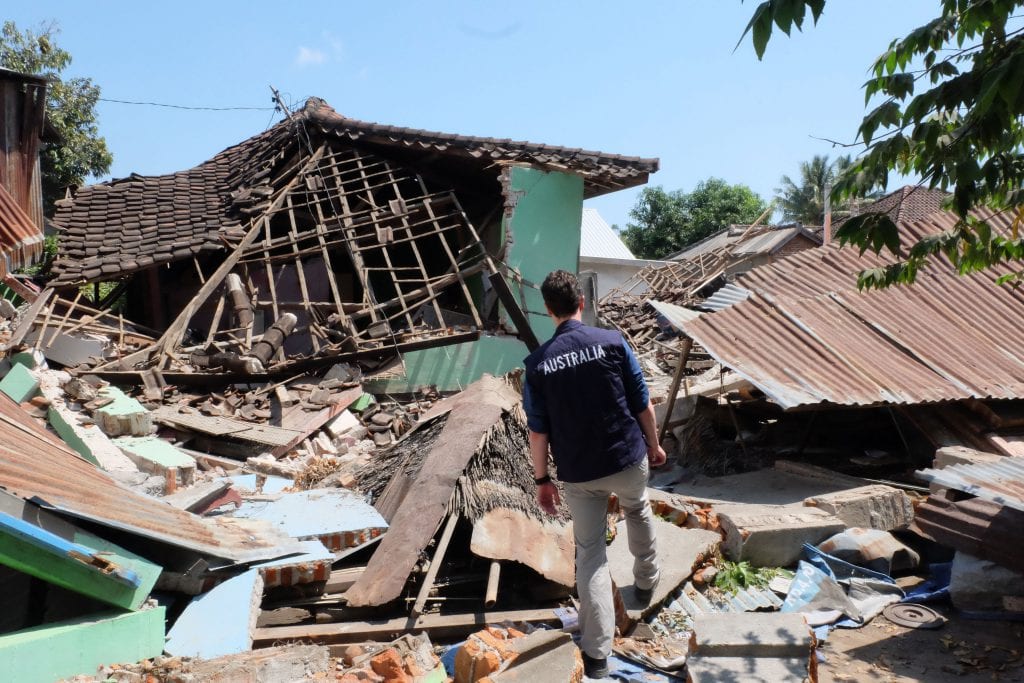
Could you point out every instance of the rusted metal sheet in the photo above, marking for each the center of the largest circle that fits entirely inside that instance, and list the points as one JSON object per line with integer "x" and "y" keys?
{"x": 21, "y": 241}
{"x": 808, "y": 336}
{"x": 976, "y": 527}
{"x": 676, "y": 315}
{"x": 22, "y": 116}
{"x": 1001, "y": 482}
{"x": 35, "y": 466}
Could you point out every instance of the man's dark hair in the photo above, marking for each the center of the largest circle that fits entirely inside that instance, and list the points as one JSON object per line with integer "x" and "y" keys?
{"x": 561, "y": 291}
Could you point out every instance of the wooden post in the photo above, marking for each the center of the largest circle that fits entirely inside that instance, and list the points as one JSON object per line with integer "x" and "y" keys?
{"x": 493, "y": 576}
{"x": 519, "y": 318}
{"x": 684, "y": 355}
{"x": 435, "y": 564}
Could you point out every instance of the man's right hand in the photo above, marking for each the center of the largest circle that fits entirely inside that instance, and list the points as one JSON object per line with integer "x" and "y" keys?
{"x": 548, "y": 498}
{"x": 656, "y": 455}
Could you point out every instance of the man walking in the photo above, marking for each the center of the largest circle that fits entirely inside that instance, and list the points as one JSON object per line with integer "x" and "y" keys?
{"x": 586, "y": 399}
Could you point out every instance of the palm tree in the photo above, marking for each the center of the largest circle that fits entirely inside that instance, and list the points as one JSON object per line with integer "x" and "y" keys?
{"x": 805, "y": 202}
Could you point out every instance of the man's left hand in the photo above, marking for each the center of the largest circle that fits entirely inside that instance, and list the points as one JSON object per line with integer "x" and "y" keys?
{"x": 656, "y": 455}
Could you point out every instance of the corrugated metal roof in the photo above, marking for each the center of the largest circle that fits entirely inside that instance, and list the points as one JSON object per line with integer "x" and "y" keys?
{"x": 676, "y": 315}
{"x": 21, "y": 241}
{"x": 726, "y": 296}
{"x": 750, "y": 599}
{"x": 1000, "y": 482}
{"x": 807, "y": 335}
{"x": 598, "y": 240}
{"x": 35, "y": 466}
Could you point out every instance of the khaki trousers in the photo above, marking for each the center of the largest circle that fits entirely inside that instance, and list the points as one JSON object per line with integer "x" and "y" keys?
{"x": 588, "y": 504}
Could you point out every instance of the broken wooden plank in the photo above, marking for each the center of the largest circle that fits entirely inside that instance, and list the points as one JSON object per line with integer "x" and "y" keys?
{"x": 474, "y": 412}
{"x": 512, "y": 307}
{"x": 435, "y": 564}
{"x": 266, "y": 435}
{"x": 435, "y": 625}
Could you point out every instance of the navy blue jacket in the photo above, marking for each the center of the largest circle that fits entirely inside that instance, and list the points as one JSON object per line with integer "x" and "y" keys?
{"x": 584, "y": 389}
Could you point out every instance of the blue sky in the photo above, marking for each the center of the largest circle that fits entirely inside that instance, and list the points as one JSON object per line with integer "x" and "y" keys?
{"x": 657, "y": 79}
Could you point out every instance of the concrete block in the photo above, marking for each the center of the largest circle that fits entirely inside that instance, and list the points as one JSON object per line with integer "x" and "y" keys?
{"x": 747, "y": 669}
{"x": 123, "y": 415}
{"x": 868, "y": 507}
{"x": 338, "y": 426}
{"x": 269, "y": 665}
{"x": 751, "y": 634}
{"x": 220, "y": 622}
{"x": 80, "y": 646}
{"x": 156, "y": 456}
{"x": 77, "y": 430}
{"x": 977, "y": 585}
{"x": 542, "y": 656}
{"x": 679, "y": 550}
{"x": 961, "y": 455}
{"x": 773, "y": 535}
{"x": 31, "y": 359}
{"x": 19, "y": 384}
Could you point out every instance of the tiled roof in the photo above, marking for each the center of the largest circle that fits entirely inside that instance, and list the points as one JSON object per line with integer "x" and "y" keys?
{"x": 601, "y": 172}
{"x": 122, "y": 226}
{"x": 598, "y": 240}
{"x": 909, "y": 203}
{"x": 808, "y": 336}
{"x": 125, "y": 225}
{"x": 21, "y": 241}
{"x": 773, "y": 240}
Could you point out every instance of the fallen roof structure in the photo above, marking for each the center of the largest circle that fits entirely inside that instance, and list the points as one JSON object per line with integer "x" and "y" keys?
{"x": 35, "y": 466}
{"x": 807, "y": 336}
{"x": 326, "y": 238}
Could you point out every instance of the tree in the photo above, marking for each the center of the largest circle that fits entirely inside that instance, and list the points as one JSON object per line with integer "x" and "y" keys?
{"x": 80, "y": 152}
{"x": 805, "y": 203}
{"x": 666, "y": 222}
{"x": 950, "y": 109}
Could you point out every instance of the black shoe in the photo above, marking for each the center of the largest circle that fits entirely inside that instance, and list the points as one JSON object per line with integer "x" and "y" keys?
{"x": 593, "y": 667}
{"x": 644, "y": 595}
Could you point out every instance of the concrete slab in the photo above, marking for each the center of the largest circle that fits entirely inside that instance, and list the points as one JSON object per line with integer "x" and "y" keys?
{"x": 679, "y": 551}
{"x": 773, "y": 535}
{"x": 156, "y": 456}
{"x": 868, "y": 507}
{"x": 542, "y": 656}
{"x": 19, "y": 384}
{"x": 269, "y": 665}
{"x": 751, "y": 634}
{"x": 220, "y": 622}
{"x": 746, "y": 669}
{"x": 763, "y": 487}
{"x": 961, "y": 455}
{"x": 339, "y": 518}
{"x": 70, "y": 350}
{"x": 80, "y": 646}
{"x": 123, "y": 415}
{"x": 251, "y": 482}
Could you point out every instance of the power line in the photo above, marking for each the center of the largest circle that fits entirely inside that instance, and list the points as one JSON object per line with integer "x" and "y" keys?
{"x": 181, "y": 106}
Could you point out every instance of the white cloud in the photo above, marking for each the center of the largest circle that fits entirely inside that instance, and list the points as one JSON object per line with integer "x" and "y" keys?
{"x": 308, "y": 56}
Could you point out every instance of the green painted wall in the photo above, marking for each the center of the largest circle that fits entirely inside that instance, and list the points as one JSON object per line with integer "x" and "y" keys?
{"x": 452, "y": 368}
{"x": 48, "y": 653}
{"x": 543, "y": 232}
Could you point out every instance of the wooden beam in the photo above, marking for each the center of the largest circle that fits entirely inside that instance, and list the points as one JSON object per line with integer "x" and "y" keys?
{"x": 435, "y": 625}
{"x": 435, "y": 564}
{"x": 684, "y": 355}
{"x": 519, "y": 319}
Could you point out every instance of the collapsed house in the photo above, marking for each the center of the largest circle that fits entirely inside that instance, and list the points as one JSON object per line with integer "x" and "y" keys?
{"x": 331, "y": 239}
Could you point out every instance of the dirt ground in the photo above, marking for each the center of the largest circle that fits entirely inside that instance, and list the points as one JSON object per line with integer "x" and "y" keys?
{"x": 961, "y": 650}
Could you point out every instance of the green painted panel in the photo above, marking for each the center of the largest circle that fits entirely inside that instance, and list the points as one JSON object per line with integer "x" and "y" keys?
{"x": 543, "y": 232}
{"x": 19, "y": 384}
{"x": 452, "y": 368}
{"x": 79, "y": 646}
{"x": 155, "y": 450}
{"x": 45, "y": 561}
